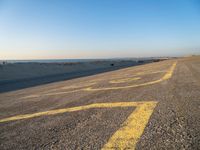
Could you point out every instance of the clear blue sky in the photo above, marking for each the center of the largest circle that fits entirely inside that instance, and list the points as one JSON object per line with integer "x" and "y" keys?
{"x": 42, "y": 29}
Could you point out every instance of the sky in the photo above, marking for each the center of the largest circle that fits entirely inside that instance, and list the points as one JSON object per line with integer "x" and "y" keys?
{"x": 56, "y": 29}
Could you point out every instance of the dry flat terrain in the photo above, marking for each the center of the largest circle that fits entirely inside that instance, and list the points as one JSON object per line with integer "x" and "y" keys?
{"x": 153, "y": 106}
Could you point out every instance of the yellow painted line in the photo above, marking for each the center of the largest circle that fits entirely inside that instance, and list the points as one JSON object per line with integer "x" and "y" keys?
{"x": 50, "y": 94}
{"x": 138, "y": 73}
{"x": 124, "y": 80}
{"x": 78, "y": 86}
{"x": 97, "y": 80}
{"x": 152, "y": 72}
{"x": 124, "y": 138}
{"x": 128, "y": 135}
{"x": 30, "y": 96}
{"x": 64, "y": 92}
{"x": 167, "y": 76}
{"x": 58, "y": 93}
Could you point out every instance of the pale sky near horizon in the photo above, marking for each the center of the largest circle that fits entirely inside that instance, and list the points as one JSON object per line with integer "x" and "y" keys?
{"x": 49, "y": 29}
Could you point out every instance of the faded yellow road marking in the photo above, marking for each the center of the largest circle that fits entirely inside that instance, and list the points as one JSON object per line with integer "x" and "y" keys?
{"x": 124, "y": 80}
{"x": 58, "y": 93}
{"x": 152, "y": 72}
{"x": 49, "y": 94}
{"x": 78, "y": 86}
{"x": 165, "y": 77}
{"x": 124, "y": 138}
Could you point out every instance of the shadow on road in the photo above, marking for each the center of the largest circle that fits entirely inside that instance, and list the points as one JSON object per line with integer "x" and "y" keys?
{"x": 13, "y": 85}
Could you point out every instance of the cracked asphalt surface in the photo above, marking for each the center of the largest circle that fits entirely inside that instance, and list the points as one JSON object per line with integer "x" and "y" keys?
{"x": 174, "y": 123}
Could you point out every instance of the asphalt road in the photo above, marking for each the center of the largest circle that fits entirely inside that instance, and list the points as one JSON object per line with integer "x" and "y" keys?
{"x": 153, "y": 106}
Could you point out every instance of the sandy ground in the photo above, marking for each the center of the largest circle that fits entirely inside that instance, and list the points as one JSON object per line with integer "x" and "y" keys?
{"x": 153, "y": 106}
